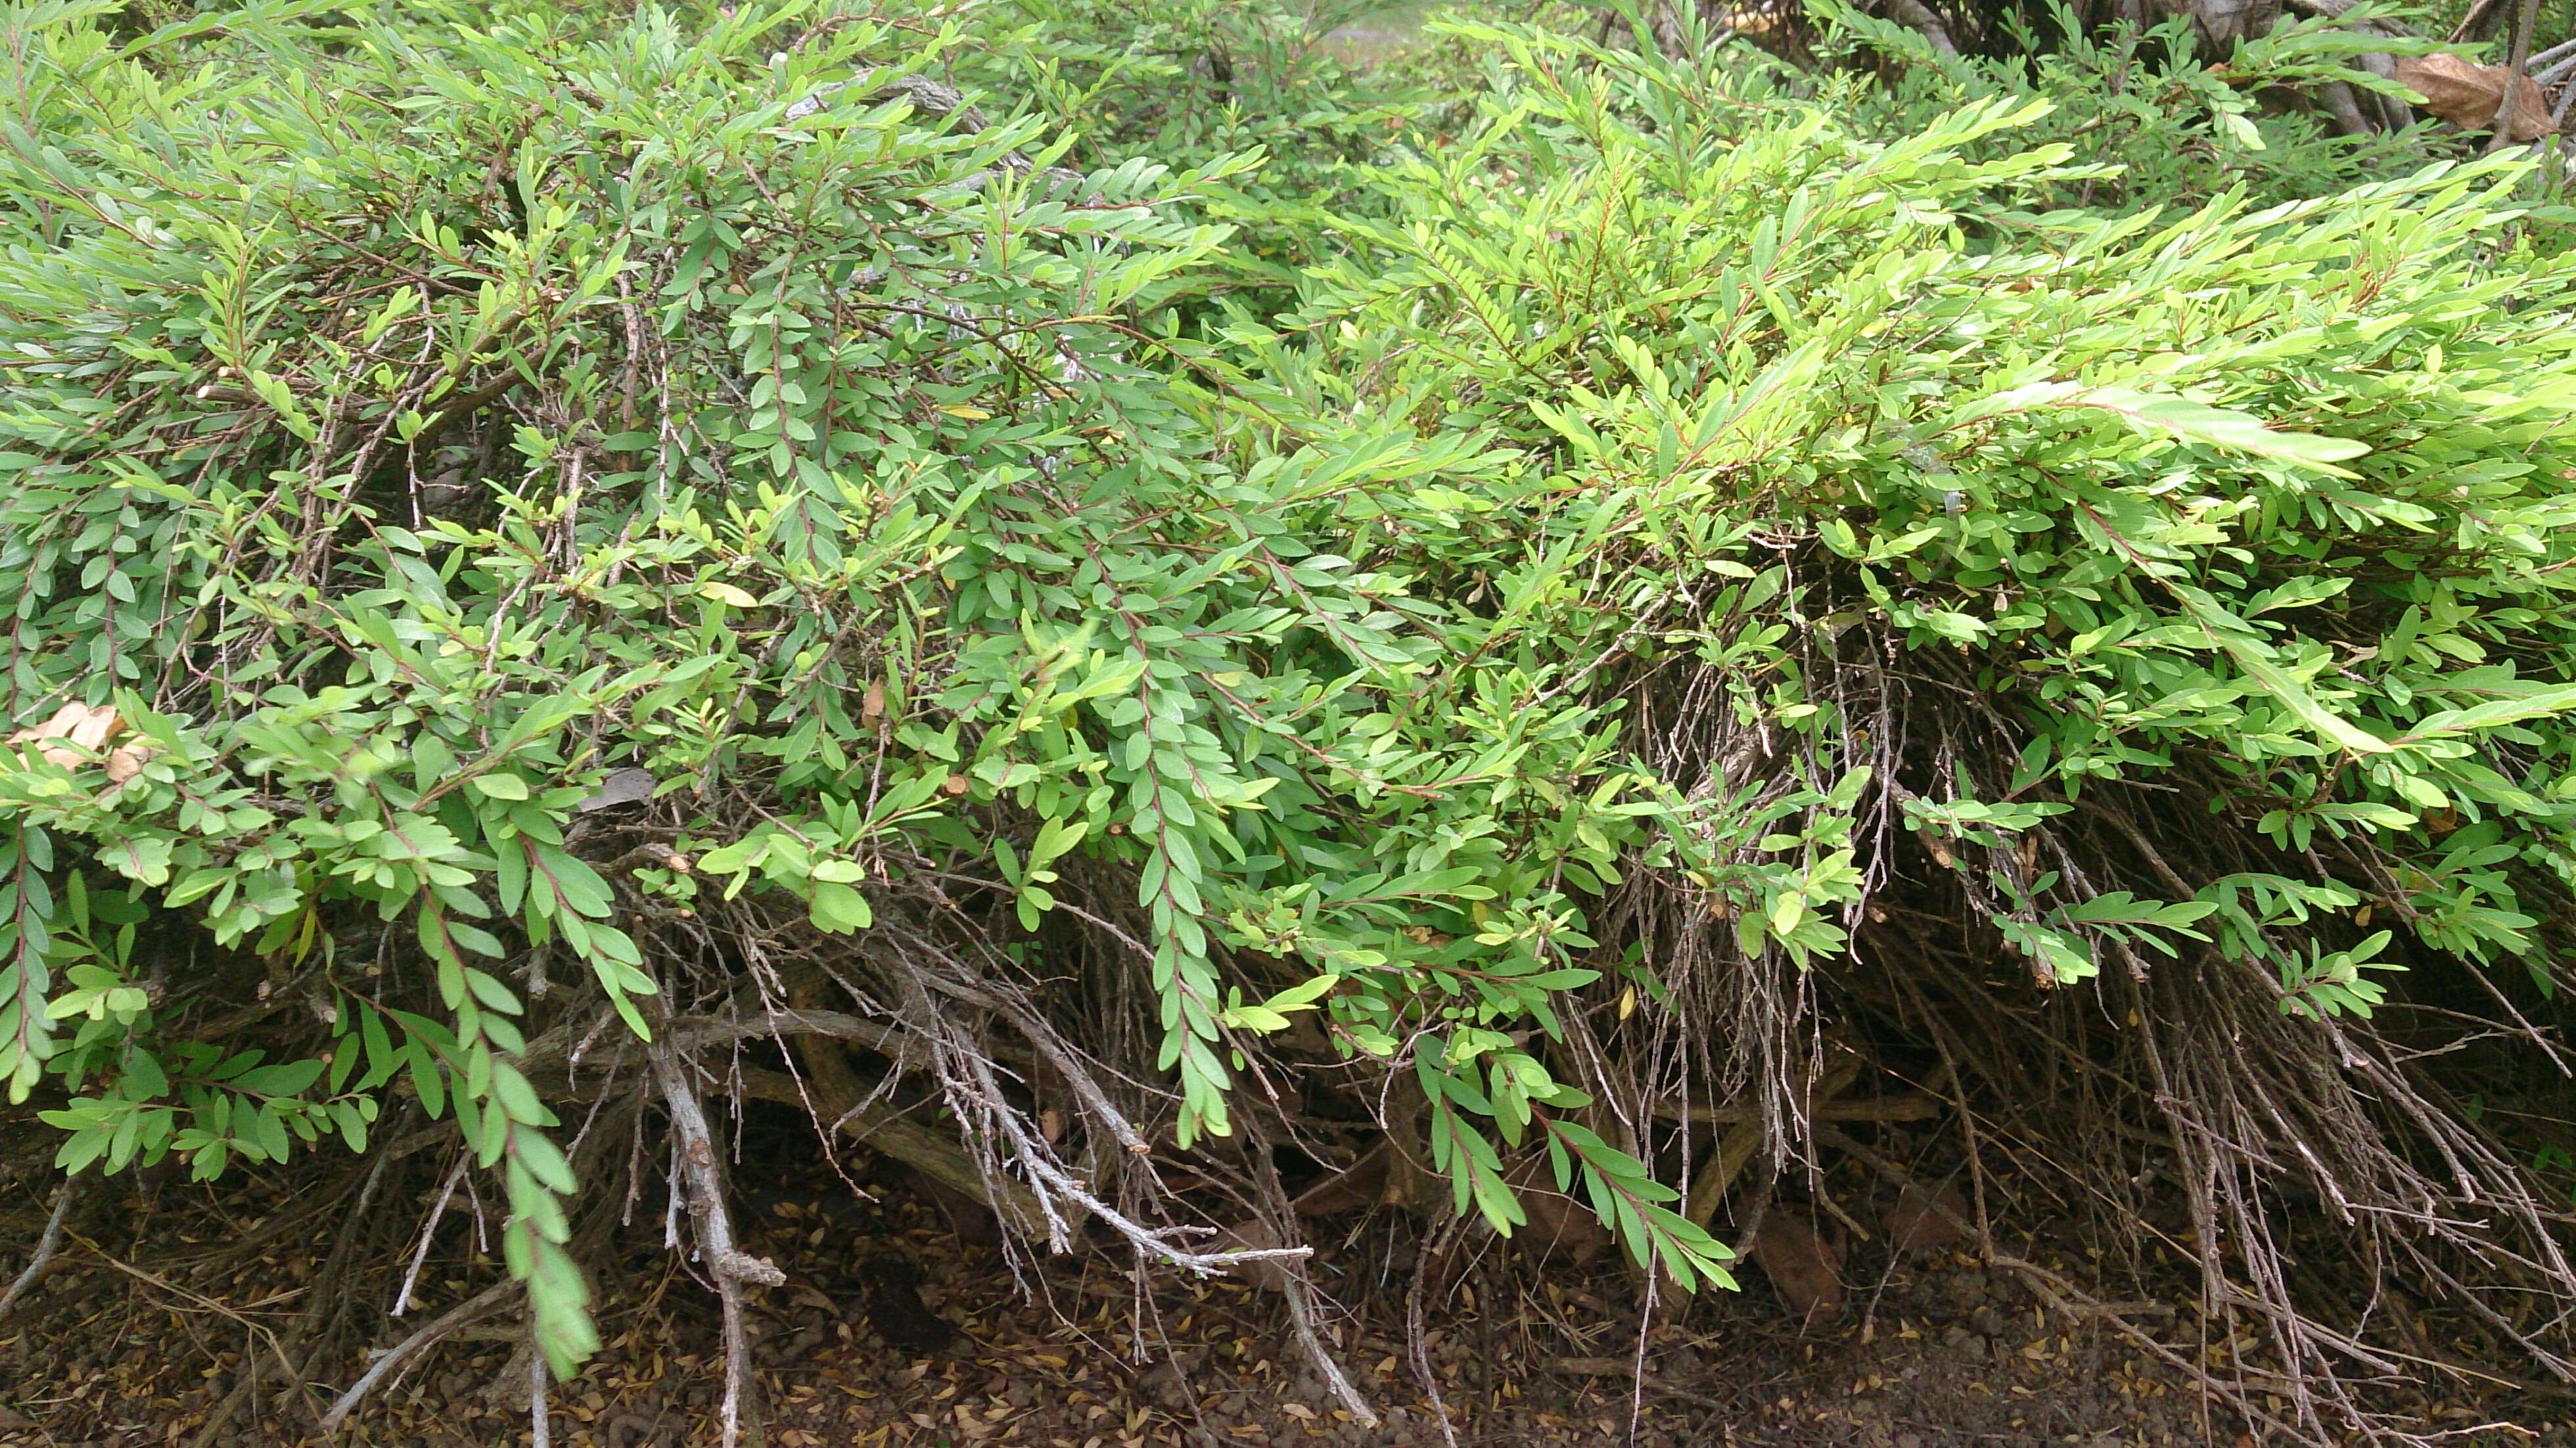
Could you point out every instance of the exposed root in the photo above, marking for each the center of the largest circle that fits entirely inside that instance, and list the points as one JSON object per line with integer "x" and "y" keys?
{"x": 2186, "y": 1071}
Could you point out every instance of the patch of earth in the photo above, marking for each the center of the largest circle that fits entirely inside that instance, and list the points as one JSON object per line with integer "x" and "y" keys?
{"x": 896, "y": 1328}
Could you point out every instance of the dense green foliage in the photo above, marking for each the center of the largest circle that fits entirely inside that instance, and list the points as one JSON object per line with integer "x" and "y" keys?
{"x": 1185, "y": 82}
{"x": 2179, "y": 131}
{"x": 905, "y": 536}
{"x": 404, "y": 432}
{"x": 2278, "y": 493}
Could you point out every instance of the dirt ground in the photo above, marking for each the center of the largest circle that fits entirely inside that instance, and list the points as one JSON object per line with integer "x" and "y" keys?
{"x": 896, "y": 1328}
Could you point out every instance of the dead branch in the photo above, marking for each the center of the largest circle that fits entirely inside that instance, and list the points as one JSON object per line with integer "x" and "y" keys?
{"x": 887, "y": 1130}
{"x": 1911, "y": 1107}
{"x": 1915, "y": 15}
{"x": 48, "y": 1245}
{"x": 2518, "y": 61}
{"x": 473, "y": 1309}
{"x": 727, "y": 1264}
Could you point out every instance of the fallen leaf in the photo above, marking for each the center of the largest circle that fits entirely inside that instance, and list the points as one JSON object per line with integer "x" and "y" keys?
{"x": 87, "y": 726}
{"x": 2467, "y": 94}
{"x": 94, "y": 728}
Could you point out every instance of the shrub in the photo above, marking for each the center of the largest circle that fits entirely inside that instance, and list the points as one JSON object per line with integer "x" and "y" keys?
{"x": 512, "y": 534}
{"x": 1184, "y": 82}
{"x": 2168, "y": 128}
{"x": 2106, "y": 649}
{"x": 523, "y": 548}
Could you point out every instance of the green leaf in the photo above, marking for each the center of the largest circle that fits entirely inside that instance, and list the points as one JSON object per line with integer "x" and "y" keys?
{"x": 2219, "y": 427}
{"x": 840, "y": 910}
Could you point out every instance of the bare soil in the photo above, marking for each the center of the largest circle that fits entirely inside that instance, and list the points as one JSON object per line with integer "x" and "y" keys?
{"x": 897, "y": 1328}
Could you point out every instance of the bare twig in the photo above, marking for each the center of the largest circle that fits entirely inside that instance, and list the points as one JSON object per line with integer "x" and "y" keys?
{"x": 2516, "y": 62}
{"x": 1417, "y": 1325}
{"x": 1294, "y": 1286}
{"x": 429, "y": 1334}
{"x": 48, "y": 1245}
{"x": 428, "y": 1230}
{"x": 1744, "y": 1140}
{"x": 540, "y": 1431}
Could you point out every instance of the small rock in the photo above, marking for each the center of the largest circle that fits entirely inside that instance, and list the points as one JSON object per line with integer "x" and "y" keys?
{"x": 1803, "y": 1267}
{"x": 896, "y": 1311}
{"x": 1167, "y": 1381}
{"x": 1926, "y": 1221}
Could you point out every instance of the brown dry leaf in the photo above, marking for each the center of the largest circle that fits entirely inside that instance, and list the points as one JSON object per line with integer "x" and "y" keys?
{"x": 126, "y": 761}
{"x": 2467, "y": 95}
{"x": 872, "y": 703}
{"x": 86, "y": 726}
{"x": 94, "y": 728}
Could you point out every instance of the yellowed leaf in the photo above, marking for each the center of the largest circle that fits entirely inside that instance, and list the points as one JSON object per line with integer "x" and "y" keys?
{"x": 959, "y": 409}
{"x": 726, "y": 593}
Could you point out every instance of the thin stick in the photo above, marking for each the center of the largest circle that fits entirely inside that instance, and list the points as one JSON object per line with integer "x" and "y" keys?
{"x": 1416, "y": 1331}
{"x": 462, "y": 1314}
{"x": 541, "y": 1434}
{"x": 1909, "y": 1107}
{"x": 1293, "y": 1285}
{"x": 2514, "y": 80}
{"x": 420, "y": 1254}
{"x": 47, "y": 1247}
